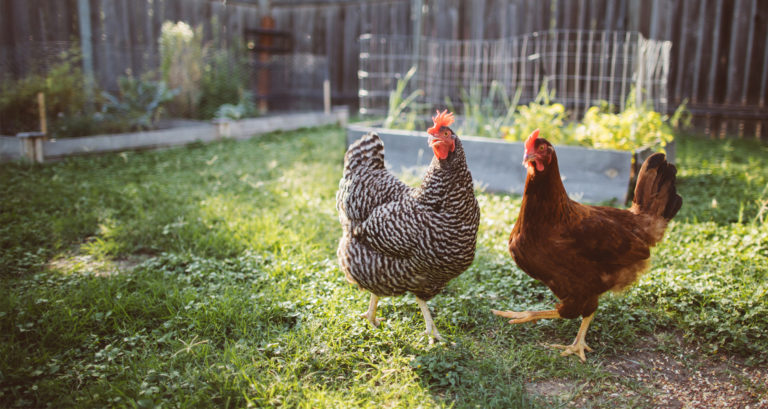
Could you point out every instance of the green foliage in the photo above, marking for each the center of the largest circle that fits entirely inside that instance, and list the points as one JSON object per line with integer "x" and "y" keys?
{"x": 635, "y": 126}
{"x": 602, "y": 127}
{"x": 243, "y": 109}
{"x": 482, "y": 115}
{"x": 206, "y": 277}
{"x": 140, "y": 103}
{"x": 223, "y": 82}
{"x": 207, "y": 75}
{"x": 495, "y": 115}
{"x": 181, "y": 64}
{"x": 65, "y": 99}
{"x": 549, "y": 118}
{"x": 399, "y": 114}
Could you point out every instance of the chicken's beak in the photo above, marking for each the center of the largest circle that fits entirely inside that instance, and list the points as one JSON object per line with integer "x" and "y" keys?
{"x": 528, "y": 158}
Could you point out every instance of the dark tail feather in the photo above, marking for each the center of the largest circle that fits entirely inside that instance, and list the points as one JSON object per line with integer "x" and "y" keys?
{"x": 655, "y": 192}
{"x": 367, "y": 152}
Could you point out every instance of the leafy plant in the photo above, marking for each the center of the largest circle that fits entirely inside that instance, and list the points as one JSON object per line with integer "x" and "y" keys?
{"x": 64, "y": 88}
{"x": 487, "y": 116}
{"x": 638, "y": 125}
{"x": 550, "y": 118}
{"x": 181, "y": 62}
{"x": 140, "y": 102}
{"x": 398, "y": 114}
{"x": 243, "y": 109}
{"x": 224, "y": 79}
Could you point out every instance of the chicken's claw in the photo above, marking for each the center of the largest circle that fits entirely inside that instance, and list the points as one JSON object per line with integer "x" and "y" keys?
{"x": 370, "y": 315}
{"x": 433, "y": 334}
{"x": 373, "y": 320}
{"x": 431, "y": 330}
{"x": 575, "y": 348}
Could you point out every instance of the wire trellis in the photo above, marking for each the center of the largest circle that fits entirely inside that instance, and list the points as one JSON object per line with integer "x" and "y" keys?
{"x": 583, "y": 67}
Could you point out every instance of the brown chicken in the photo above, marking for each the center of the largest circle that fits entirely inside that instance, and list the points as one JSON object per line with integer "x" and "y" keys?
{"x": 582, "y": 251}
{"x": 399, "y": 239}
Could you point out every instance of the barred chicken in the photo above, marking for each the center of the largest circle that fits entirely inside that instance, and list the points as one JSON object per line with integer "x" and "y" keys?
{"x": 399, "y": 239}
{"x": 582, "y": 251}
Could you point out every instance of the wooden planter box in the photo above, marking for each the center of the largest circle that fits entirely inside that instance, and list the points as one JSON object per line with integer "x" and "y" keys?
{"x": 40, "y": 150}
{"x": 589, "y": 175}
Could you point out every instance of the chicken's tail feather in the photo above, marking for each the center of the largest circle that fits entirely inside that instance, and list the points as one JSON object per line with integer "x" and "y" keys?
{"x": 655, "y": 192}
{"x": 366, "y": 152}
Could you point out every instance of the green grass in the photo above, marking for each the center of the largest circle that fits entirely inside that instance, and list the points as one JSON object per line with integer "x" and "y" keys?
{"x": 235, "y": 298}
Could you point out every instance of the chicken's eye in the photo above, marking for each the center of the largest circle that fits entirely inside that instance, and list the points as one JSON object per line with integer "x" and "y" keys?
{"x": 542, "y": 147}
{"x": 446, "y": 134}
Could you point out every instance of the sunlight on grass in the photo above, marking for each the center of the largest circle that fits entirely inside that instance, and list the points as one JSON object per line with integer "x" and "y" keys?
{"x": 206, "y": 276}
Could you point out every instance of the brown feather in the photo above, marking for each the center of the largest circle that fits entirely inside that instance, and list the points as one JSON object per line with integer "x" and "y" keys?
{"x": 582, "y": 251}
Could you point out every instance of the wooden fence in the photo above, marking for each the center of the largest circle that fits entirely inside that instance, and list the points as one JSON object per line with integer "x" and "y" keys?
{"x": 719, "y": 59}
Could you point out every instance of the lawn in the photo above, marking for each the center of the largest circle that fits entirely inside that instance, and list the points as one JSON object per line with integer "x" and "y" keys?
{"x": 206, "y": 277}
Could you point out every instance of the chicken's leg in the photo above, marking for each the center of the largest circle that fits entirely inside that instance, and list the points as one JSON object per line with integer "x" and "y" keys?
{"x": 579, "y": 344}
{"x": 431, "y": 328}
{"x": 525, "y": 316}
{"x": 370, "y": 315}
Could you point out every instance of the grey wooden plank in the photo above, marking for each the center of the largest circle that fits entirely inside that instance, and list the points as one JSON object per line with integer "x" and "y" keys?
{"x": 350, "y": 52}
{"x": 751, "y": 17}
{"x": 682, "y": 45}
{"x": 764, "y": 79}
{"x": 713, "y": 63}
{"x": 735, "y": 65}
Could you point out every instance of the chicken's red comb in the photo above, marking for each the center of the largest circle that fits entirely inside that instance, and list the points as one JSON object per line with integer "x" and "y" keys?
{"x": 531, "y": 140}
{"x": 442, "y": 119}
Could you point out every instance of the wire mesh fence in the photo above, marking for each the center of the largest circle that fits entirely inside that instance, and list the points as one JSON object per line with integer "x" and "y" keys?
{"x": 296, "y": 80}
{"x": 582, "y": 67}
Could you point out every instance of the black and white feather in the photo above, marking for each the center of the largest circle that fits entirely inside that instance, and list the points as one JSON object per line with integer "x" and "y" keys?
{"x": 399, "y": 239}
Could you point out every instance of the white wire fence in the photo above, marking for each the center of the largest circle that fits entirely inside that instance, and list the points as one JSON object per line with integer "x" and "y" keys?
{"x": 583, "y": 67}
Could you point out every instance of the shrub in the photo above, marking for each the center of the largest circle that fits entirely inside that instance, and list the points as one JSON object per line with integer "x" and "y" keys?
{"x": 635, "y": 126}
{"x": 181, "y": 59}
{"x": 139, "y": 104}
{"x": 550, "y": 118}
{"x": 65, "y": 98}
{"x": 223, "y": 82}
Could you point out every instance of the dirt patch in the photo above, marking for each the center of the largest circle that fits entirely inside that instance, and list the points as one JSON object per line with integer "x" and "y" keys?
{"x": 551, "y": 388}
{"x": 76, "y": 261}
{"x": 682, "y": 376}
{"x": 663, "y": 371}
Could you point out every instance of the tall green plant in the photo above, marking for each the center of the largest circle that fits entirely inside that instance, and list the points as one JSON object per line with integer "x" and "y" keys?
{"x": 487, "y": 115}
{"x": 64, "y": 88}
{"x": 181, "y": 62}
{"x": 397, "y": 116}
{"x": 224, "y": 79}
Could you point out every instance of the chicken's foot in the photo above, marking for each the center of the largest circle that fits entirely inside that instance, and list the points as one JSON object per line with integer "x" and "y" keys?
{"x": 370, "y": 315}
{"x": 519, "y": 317}
{"x": 579, "y": 344}
{"x": 431, "y": 328}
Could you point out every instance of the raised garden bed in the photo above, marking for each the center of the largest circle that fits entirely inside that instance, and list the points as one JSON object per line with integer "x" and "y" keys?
{"x": 590, "y": 175}
{"x": 13, "y": 148}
